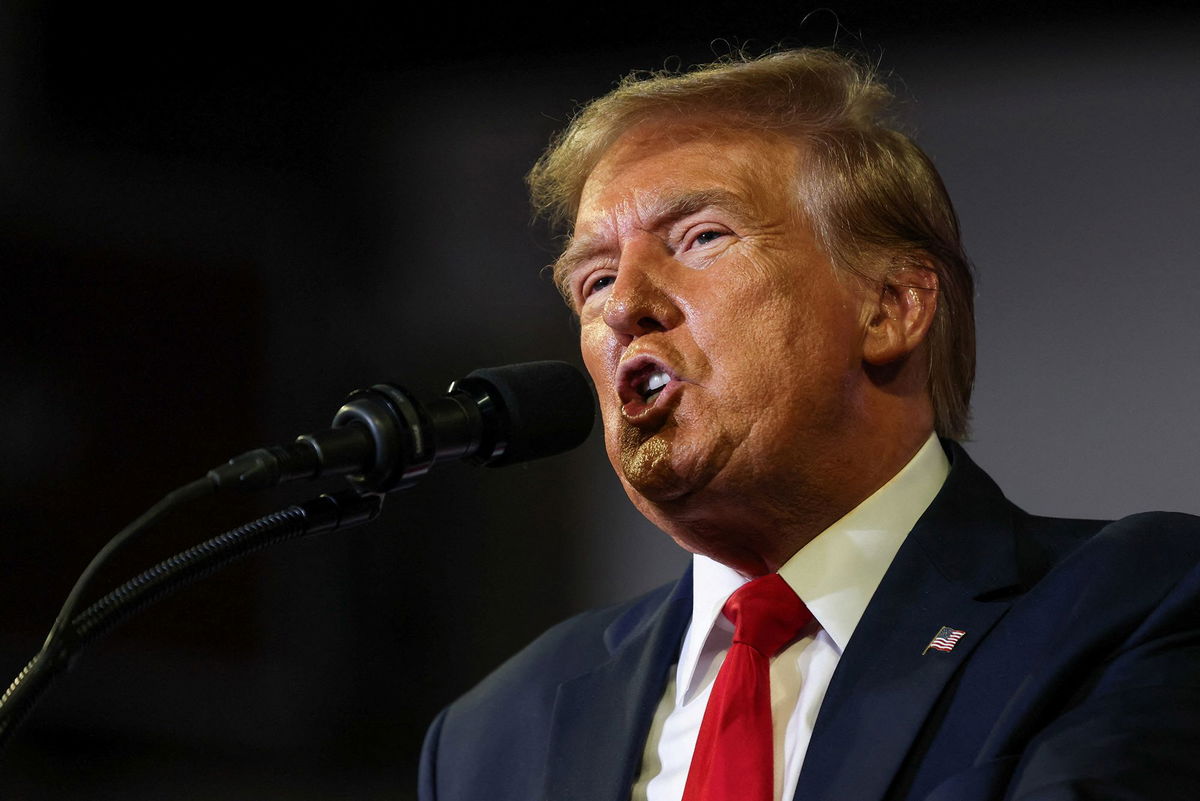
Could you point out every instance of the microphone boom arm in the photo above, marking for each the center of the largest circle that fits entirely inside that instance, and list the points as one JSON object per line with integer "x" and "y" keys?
{"x": 322, "y": 514}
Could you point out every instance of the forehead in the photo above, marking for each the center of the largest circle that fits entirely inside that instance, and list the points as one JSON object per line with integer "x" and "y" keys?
{"x": 656, "y": 161}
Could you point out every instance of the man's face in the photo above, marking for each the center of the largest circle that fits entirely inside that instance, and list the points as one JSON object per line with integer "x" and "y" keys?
{"x": 725, "y": 350}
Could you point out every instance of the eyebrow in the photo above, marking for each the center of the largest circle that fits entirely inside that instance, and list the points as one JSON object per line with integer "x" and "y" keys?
{"x": 664, "y": 210}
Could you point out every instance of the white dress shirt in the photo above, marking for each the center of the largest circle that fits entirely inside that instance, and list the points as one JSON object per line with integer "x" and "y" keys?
{"x": 835, "y": 575}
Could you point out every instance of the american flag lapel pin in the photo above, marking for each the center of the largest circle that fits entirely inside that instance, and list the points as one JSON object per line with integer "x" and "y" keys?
{"x": 944, "y": 640}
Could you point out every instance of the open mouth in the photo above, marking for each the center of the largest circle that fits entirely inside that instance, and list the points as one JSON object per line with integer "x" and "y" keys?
{"x": 652, "y": 386}
{"x": 642, "y": 386}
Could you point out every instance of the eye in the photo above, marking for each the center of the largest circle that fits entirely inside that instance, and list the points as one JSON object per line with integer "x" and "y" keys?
{"x": 600, "y": 283}
{"x": 703, "y": 237}
{"x": 593, "y": 285}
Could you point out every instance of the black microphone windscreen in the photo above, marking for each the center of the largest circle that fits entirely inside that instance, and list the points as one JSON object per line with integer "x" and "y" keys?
{"x": 549, "y": 404}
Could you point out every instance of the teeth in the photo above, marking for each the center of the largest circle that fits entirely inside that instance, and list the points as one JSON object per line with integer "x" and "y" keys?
{"x": 655, "y": 383}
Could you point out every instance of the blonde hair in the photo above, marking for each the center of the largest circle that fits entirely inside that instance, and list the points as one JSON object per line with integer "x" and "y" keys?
{"x": 874, "y": 198}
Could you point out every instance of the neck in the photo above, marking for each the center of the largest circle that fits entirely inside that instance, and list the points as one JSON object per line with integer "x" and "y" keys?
{"x": 755, "y": 530}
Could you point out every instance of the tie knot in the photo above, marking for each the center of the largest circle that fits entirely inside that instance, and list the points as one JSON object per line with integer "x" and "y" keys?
{"x": 766, "y": 614}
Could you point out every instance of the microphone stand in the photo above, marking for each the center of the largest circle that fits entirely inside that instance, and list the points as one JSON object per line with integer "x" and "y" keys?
{"x": 381, "y": 438}
{"x": 316, "y": 516}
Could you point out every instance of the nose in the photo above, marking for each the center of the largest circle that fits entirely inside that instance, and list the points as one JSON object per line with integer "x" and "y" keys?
{"x": 644, "y": 296}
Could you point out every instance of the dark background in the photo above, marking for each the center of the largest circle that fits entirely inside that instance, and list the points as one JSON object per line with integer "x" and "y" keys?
{"x": 216, "y": 221}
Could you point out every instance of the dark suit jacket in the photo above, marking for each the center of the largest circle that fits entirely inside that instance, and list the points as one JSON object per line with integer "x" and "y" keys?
{"x": 1078, "y": 676}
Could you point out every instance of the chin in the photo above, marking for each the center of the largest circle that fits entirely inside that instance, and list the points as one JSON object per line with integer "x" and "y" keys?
{"x": 649, "y": 471}
{"x": 664, "y": 472}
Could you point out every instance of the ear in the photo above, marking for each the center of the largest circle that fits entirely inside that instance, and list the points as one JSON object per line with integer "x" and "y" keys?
{"x": 903, "y": 313}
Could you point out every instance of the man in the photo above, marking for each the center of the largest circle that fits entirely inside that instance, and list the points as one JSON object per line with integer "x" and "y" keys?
{"x": 776, "y": 312}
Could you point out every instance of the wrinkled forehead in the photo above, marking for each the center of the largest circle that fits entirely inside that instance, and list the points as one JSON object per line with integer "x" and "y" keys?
{"x": 657, "y": 173}
{"x": 687, "y": 157}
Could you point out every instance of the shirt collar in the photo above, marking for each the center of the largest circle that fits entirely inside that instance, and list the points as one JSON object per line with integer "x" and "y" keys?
{"x": 836, "y": 573}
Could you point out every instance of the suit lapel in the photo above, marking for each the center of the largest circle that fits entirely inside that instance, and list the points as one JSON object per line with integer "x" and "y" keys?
{"x": 956, "y": 569}
{"x": 606, "y": 713}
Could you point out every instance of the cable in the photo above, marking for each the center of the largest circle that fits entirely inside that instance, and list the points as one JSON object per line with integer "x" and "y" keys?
{"x": 196, "y": 489}
{"x": 322, "y": 514}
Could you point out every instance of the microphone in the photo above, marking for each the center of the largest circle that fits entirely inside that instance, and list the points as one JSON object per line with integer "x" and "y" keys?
{"x": 384, "y": 440}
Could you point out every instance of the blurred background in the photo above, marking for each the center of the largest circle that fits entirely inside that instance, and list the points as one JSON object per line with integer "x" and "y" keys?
{"x": 216, "y": 221}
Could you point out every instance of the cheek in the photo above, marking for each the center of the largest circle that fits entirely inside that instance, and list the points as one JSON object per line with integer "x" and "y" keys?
{"x": 598, "y": 357}
{"x": 756, "y": 333}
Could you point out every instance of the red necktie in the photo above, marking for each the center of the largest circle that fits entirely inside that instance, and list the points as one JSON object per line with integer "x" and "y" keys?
{"x": 734, "y": 758}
